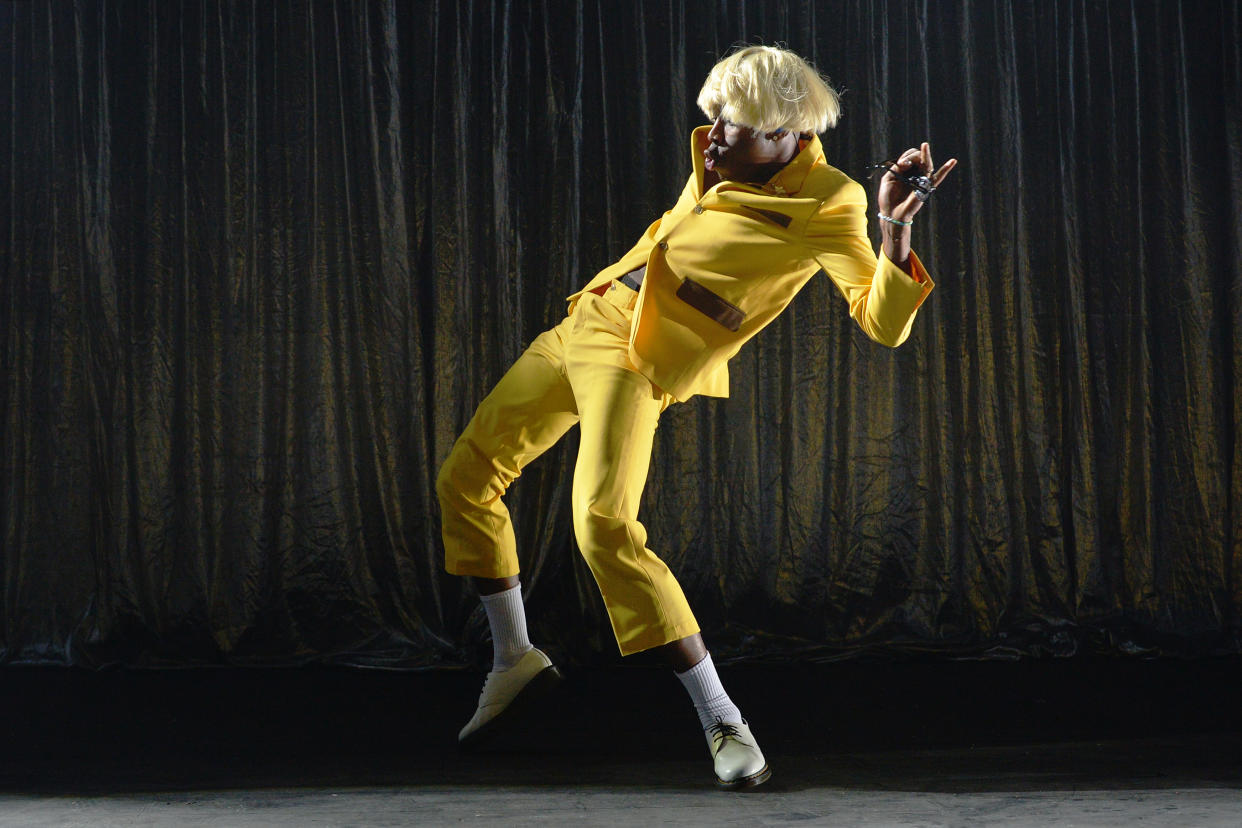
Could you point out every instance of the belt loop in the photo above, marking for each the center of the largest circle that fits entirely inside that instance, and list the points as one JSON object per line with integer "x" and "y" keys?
{"x": 621, "y": 296}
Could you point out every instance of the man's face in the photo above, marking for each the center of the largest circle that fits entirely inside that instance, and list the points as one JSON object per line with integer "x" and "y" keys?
{"x": 739, "y": 153}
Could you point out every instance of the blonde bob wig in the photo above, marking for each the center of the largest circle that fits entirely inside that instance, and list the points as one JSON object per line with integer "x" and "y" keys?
{"x": 767, "y": 88}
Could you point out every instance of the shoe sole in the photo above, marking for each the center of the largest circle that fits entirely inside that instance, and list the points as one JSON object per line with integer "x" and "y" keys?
{"x": 537, "y": 687}
{"x": 746, "y": 781}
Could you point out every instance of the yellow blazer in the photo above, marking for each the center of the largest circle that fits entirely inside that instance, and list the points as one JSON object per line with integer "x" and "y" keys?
{"x": 722, "y": 265}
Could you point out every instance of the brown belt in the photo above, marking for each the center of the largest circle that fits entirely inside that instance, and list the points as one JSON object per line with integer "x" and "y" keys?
{"x": 633, "y": 279}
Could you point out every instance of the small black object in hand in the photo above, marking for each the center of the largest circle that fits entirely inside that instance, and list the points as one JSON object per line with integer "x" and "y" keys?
{"x": 921, "y": 184}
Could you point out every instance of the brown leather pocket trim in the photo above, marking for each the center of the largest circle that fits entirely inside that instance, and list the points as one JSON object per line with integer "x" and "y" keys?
{"x": 771, "y": 215}
{"x": 711, "y": 305}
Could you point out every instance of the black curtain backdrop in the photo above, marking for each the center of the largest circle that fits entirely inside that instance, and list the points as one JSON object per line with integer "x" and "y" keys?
{"x": 261, "y": 261}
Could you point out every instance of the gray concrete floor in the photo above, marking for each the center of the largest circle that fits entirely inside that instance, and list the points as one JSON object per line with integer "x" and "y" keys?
{"x": 1178, "y": 782}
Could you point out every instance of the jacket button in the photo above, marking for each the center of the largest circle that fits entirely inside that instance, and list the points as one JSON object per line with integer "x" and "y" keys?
{"x": 698, "y": 208}
{"x": 664, "y": 245}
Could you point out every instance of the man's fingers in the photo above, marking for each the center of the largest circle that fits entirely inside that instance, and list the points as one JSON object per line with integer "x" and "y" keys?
{"x": 928, "y": 166}
{"x": 943, "y": 171}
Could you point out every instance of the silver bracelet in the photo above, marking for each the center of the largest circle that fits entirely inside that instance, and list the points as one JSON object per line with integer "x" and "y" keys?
{"x": 892, "y": 220}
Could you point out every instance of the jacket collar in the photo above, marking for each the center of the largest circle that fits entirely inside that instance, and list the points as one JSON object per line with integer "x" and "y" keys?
{"x": 787, "y": 181}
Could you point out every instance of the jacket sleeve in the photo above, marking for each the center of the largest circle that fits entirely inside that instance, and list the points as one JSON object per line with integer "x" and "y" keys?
{"x": 883, "y": 299}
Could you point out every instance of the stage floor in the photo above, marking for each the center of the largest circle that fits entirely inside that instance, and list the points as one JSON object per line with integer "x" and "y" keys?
{"x": 1182, "y": 782}
{"x": 854, "y": 744}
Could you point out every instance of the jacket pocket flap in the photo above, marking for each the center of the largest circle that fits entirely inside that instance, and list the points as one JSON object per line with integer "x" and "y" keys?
{"x": 770, "y": 215}
{"x": 711, "y": 305}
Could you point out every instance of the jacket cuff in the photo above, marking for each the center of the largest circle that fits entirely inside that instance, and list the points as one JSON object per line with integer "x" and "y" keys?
{"x": 914, "y": 286}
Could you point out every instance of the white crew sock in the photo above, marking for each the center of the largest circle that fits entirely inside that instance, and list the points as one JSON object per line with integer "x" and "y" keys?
{"x": 710, "y": 699}
{"x": 507, "y": 617}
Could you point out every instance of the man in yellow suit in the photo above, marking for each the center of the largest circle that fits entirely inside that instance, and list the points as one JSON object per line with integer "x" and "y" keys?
{"x": 761, "y": 214}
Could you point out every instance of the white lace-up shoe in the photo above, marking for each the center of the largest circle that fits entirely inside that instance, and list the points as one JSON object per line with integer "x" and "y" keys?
{"x": 506, "y": 693}
{"x": 739, "y": 762}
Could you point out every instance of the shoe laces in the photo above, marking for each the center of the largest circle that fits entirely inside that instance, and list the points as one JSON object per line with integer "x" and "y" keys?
{"x": 492, "y": 676}
{"x": 486, "y": 683}
{"x": 725, "y": 731}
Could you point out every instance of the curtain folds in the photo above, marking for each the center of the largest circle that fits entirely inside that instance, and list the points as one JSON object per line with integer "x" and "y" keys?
{"x": 260, "y": 261}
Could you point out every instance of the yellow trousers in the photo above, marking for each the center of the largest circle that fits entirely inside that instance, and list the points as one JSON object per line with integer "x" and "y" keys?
{"x": 578, "y": 372}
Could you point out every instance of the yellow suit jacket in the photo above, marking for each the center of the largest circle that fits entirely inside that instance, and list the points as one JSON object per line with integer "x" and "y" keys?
{"x": 722, "y": 264}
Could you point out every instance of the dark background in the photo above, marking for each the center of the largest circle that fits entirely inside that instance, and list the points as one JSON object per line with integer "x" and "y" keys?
{"x": 259, "y": 262}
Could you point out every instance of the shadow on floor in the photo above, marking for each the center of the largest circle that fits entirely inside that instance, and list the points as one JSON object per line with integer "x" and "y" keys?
{"x": 926, "y": 727}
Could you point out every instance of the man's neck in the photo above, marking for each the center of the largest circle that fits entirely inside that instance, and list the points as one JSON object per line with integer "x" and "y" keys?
{"x": 761, "y": 174}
